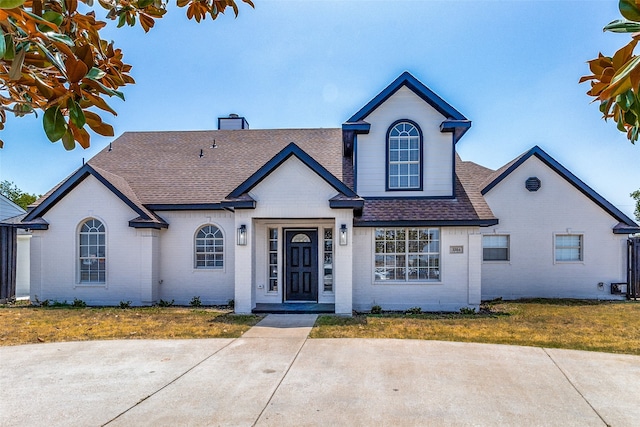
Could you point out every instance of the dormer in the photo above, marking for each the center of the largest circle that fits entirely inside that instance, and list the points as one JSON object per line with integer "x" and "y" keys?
{"x": 403, "y": 142}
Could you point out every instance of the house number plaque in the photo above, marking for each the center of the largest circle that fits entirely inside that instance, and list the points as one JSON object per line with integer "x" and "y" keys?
{"x": 456, "y": 249}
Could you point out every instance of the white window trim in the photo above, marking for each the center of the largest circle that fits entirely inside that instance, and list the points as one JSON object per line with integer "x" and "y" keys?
{"x": 278, "y": 261}
{"x": 408, "y": 162}
{"x": 333, "y": 261}
{"x": 375, "y": 282}
{"x": 582, "y": 244}
{"x": 498, "y": 261}
{"x": 79, "y": 283}
{"x": 224, "y": 250}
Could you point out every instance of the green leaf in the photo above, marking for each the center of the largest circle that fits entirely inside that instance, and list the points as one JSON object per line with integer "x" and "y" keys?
{"x": 55, "y": 60}
{"x": 68, "y": 142}
{"x": 54, "y": 125}
{"x": 622, "y": 26}
{"x": 3, "y": 44}
{"x": 76, "y": 115}
{"x": 625, "y": 100}
{"x": 109, "y": 91}
{"x": 53, "y": 17}
{"x": 95, "y": 73}
{"x": 10, "y": 50}
{"x": 144, "y": 3}
{"x": 10, "y": 4}
{"x": 60, "y": 38}
{"x": 629, "y": 10}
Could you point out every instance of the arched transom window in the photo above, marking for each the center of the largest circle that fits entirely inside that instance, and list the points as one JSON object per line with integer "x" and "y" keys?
{"x": 404, "y": 146}
{"x": 209, "y": 246}
{"x": 92, "y": 249}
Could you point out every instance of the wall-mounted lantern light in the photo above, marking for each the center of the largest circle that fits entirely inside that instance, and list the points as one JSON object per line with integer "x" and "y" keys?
{"x": 242, "y": 235}
{"x": 343, "y": 235}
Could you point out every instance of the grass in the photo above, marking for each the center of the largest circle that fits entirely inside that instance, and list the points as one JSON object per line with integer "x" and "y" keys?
{"x": 612, "y": 327}
{"x": 22, "y": 324}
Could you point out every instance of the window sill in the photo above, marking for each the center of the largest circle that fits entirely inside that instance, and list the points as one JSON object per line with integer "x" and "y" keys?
{"x": 496, "y": 262}
{"x": 402, "y": 282}
{"x": 208, "y": 269}
{"x": 91, "y": 285}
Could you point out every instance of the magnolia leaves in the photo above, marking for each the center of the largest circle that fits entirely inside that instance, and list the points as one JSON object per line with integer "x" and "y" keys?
{"x": 53, "y": 59}
{"x": 615, "y": 81}
{"x": 10, "y": 4}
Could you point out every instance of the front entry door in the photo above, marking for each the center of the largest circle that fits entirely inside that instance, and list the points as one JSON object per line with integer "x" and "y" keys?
{"x": 302, "y": 265}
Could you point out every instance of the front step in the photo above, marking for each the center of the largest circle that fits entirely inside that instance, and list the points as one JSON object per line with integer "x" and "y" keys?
{"x": 295, "y": 308}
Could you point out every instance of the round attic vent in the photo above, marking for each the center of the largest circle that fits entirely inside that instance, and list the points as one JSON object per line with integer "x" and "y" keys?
{"x": 532, "y": 184}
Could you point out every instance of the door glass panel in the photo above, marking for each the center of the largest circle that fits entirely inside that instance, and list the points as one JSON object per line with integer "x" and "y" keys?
{"x": 301, "y": 238}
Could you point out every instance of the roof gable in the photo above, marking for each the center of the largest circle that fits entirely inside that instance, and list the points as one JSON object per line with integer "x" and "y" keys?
{"x": 454, "y": 121}
{"x": 115, "y": 184}
{"x": 505, "y": 171}
{"x": 8, "y": 208}
{"x": 408, "y": 80}
{"x": 290, "y": 150}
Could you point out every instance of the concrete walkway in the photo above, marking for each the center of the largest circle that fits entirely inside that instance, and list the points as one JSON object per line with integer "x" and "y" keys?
{"x": 274, "y": 376}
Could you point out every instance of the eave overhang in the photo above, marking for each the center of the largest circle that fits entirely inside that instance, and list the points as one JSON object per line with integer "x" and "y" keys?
{"x": 428, "y": 223}
{"x": 626, "y": 226}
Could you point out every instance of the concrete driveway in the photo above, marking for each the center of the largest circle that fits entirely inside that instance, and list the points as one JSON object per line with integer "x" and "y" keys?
{"x": 275, "y": 376}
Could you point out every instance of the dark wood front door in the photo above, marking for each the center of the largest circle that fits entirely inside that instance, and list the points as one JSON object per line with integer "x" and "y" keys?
{"x": 302, "y": 265}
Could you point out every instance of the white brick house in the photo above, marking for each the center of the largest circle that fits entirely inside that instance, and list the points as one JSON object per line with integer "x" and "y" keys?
{"x": 379, "y": 212}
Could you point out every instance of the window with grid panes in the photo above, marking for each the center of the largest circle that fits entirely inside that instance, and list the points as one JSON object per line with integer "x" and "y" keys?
{"x": 273, "y": 260}
{"x": 568, "y": 247}
{"x": 404, "y": 157}
{"x": 328, "y": 260}
{"x": 92, "y": 248}
{"x": 407, "y": 254}
{"x": 209, "y": 248}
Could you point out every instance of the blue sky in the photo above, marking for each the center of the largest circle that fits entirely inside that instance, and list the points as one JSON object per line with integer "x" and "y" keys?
{"x": 512, "y": 67}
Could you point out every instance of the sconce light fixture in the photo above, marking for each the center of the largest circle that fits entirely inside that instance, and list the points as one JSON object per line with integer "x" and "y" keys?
{"x": 242, "y": 235}
{"x": 343, "y": 235}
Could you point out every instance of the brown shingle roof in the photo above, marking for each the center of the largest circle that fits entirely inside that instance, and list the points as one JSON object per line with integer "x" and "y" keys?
{"x": 468, "y": 207}
{"x": 166, "y": 167}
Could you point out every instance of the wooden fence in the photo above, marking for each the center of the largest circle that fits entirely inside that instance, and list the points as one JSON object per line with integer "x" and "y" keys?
{"x": 8, "y": 251}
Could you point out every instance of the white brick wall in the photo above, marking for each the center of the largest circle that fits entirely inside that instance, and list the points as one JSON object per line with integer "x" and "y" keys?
{"x": 437, "y": 148}
{"x": 178, "y": 279}
{"x": 54, "y": 265}
{"x": 531, "y": 219}
{"x": 459, "y": 285}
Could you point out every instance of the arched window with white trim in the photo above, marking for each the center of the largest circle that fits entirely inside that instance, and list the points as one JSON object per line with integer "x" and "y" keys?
{"x": 93, "y": 252}
{"x": 209, "y": 247}
{"x": 404, "y": 156}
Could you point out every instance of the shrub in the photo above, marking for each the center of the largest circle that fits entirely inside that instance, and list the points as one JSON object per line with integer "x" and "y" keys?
{"x": 195, "y": 302}
{"x": 414, "y": 310}
{"x": 467, "y": 310}
{"x": 231, "y": 303}
{"x": 125, "y": 304}
{"x": 376, "y": 309}
{"x": 44, "y": 303}
{"x": 78, "y": 303}
{"x": 163, "y": 303}
{"x": 55, "y": 303}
